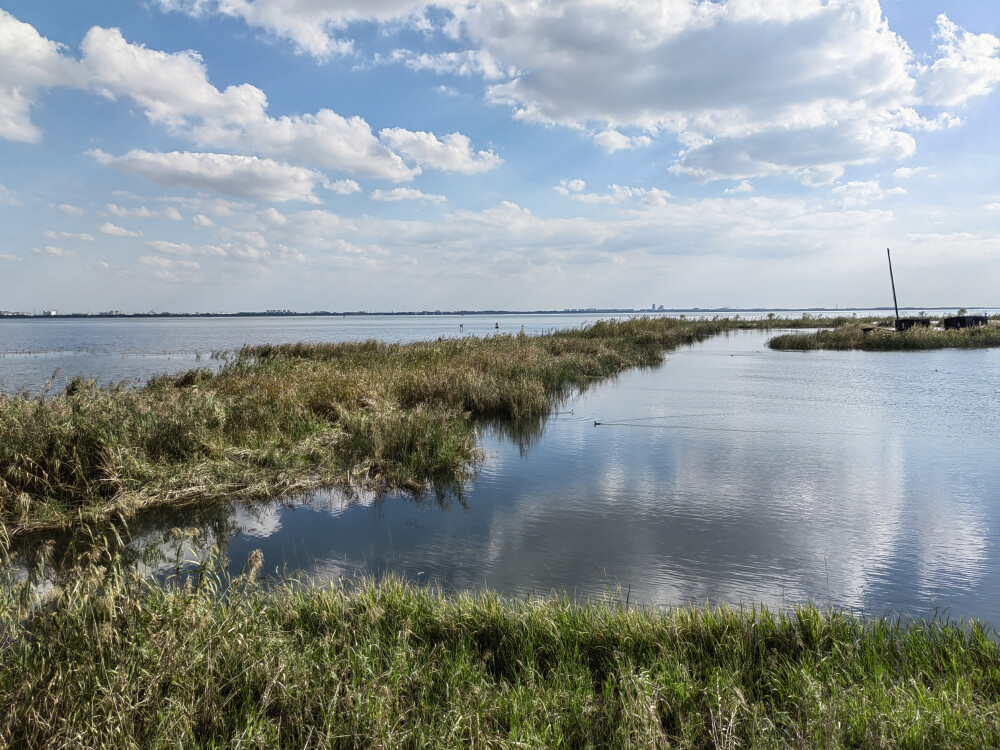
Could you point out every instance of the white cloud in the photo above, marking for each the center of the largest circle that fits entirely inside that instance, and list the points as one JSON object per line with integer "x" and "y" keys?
{"x": 140, "y": 212}
{"x": 241, "y": 176}
{"x": 565, "y": 187}
{"x": 122, "y": 212}
{"x": 116, "y": 231}
{"x": 344, "y": 187}
{"x": 8, "y": 197}
{"x": 66, "y": 208}
{"x": 466, "y": 62}
{"x": 611, "y": 140}
{"x": 173, "y": 89}
{"x": 861, "y": 193}
{"x": 28, "y": 62}
{"x": 54, "y": 252}
{"x": 156, "y": 262}
{"x": 967, "y": 65}
{"x": 309, "y": 24}
{"x": 183, "y": 249}
{"x": 450, "y": 153}
{"x": 67, "y": 236}
{"x": 406, "y": 194}
{"x": 905, "y": 173}
{"x": 200, "y": 220}
{"x": 616, "y": 194}
{"x": 749, "y": 88}
{"x": 743, "y": 187}
{"x": 6, "y": 258}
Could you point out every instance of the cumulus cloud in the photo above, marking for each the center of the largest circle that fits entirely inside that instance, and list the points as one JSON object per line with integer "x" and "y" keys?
{"x": 749, "y": 88}
{"x": 967, "y": 65}
{"x": 241, "y": 176}
{"x": 156, "y": 262}
{"x": 54, "y": 252}
{"x": 66, "y": 208}
{"x": 173, "y": 89}
{"x": 310, "y": 25}
{"x": 200, "y": 220}
{"x": 116, "y": 231}
{"x": 565, "y": 187}
{"x": 905, "y": 173}
{"x": 450, "y": 153}
{"x": 406, "y": 194}
{"x": 28, "y": 62}
{"x": 139, "y": 212}
{"x": 68, "y": 235}
{"x": 344, "y": 187}
{"x": 860, "y": 193}
{"x": 611, "y": 140}
{"x": 7, "y": 258}
{"x": 465, "y": 62}
{"x": 616, "y": 194}
{"x": 743, "y": 187}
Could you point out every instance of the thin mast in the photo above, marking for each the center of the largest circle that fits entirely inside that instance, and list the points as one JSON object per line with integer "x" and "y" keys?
{"x": 893, "y": 282}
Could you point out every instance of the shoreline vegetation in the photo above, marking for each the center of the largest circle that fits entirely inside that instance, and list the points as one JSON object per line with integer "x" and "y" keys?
{"x": 276, "y": 420}
{"x": 104, "y": 655}
{"x": 116, "y": 660}
{"x": 851, "y": 335}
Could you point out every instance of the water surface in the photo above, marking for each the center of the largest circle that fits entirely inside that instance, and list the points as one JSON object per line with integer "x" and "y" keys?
{"x": 732, "y": 473}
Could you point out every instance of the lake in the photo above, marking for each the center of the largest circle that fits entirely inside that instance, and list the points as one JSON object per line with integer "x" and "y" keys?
{"x": 731, "y": 473}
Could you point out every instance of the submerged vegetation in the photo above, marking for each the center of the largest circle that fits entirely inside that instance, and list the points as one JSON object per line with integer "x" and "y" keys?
{"x": 115, "y": 660}
{"x": 279, "y": 419}
{"x": 853, "y": 335}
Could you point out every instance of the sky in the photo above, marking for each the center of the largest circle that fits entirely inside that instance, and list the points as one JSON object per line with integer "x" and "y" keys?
{"x": 388, "y": 155}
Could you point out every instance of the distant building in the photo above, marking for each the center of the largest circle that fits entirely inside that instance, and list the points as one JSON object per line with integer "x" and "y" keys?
{"x": 50, "y": 313}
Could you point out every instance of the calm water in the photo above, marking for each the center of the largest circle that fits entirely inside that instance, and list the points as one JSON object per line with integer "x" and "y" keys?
{"x": 35, "y": 351}
{"x": 731, "y": 473}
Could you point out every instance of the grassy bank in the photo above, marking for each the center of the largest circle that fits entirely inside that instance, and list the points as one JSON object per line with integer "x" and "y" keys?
{"x": 116, "y": 661}
{"x": 852, "y": 336}
{"x": 281, "y": 419}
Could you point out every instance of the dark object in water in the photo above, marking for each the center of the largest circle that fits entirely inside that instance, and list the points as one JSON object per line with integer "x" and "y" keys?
{"x": 964, "y": 321}
{"x": 905, "y": 324}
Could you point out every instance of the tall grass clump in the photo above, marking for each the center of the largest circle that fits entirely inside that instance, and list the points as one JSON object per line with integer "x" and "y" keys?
{"x": 115, "y": 660}
{"x": 278, "y": 419}
{"x": 853, "y": 336}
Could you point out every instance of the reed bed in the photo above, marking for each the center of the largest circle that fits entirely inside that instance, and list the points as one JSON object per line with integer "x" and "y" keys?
{"x": 115, "y": 660}
{"x": 279, "y": 419}
{"x": 852, "y": 336}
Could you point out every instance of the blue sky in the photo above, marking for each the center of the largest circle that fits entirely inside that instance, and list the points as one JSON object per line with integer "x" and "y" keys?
{"x": 223, "y": 155}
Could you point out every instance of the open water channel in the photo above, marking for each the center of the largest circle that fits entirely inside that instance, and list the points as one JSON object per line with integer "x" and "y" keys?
{"x": 731, "y": 473}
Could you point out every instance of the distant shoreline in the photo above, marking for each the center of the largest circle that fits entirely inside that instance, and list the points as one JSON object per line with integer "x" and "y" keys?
{"x": 417, "y": 313}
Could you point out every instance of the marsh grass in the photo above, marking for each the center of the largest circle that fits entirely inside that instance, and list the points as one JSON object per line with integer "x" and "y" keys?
{"x": 280, "y": 419}
{"x": 852, "y": 336}
{"x": 116, "y": 660}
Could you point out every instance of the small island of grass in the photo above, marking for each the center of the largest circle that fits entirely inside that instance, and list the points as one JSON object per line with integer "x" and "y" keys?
{"x": 865, "y": 337}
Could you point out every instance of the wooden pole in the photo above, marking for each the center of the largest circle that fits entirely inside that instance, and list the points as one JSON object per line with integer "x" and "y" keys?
{"x": 893, "y": 282}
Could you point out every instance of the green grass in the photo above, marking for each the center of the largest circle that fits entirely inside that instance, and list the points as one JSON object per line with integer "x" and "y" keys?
{"x": 114, "y": 660}
{"x": 851, "y": 336}
{"x": 280, "y": 419}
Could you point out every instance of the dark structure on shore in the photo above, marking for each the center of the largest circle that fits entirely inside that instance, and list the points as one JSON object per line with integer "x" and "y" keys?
{"x": 964, "y": 321}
